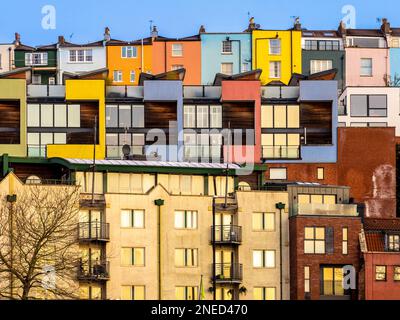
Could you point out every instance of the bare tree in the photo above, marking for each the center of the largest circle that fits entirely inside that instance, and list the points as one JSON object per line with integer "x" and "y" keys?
{"x": 39, "y": 253}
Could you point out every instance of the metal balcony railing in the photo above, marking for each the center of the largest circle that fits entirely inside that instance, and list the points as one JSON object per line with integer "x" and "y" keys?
{"x": 228, "y": 234}
{"x": 93, "y": 231}
{"x": 228, "y": 272}
{"x": 94, "y": 270}
{"x": 281, "y": 152}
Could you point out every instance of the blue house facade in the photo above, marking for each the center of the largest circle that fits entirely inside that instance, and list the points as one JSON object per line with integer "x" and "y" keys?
{"x": 395, "y": 66}
{"x": 228, "y": 53}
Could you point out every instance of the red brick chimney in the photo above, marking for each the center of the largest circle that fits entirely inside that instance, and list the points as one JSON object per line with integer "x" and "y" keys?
{"x": 17, "y": 40}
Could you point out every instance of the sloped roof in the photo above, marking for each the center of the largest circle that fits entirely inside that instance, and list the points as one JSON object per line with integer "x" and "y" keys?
{"x": 371, "y": 224}
{"x": 364, "y": 32}
{"x": 375, "y": 241}
{"x": 321, "y": 33}
{"x": 90, "y": 44}
{"x": 249, "y": 75}
{"x": 178, "y": 74}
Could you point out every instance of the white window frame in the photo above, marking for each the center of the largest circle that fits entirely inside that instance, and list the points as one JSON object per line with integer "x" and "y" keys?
{"x": 177, "y": 50}
{"x": 317, "y": 66}
{"x": 132, "y": 73}
{"x": 128, "y": 52}
{"x": 275, "y": 49}
{"x": 119, "y": 76}
{"x": 227, "y": 64}
{"x": 226, "y": 44}
{"x": 76, "y": 54}
{"x": 275, "y": 69}
{"x": 371, "y": 67}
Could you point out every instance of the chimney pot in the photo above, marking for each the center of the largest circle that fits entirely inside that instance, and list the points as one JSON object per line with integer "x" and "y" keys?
{"x": 202, "y": 29}
{"x": 385, "y": 26}
{"x": 17, "y": 40}
{"x": 61, "y": 40}
{"x": 154, "y": 32}
{"x": 107, "y": 34}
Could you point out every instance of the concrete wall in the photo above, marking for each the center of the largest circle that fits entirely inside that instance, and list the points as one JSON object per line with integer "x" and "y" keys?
{"x": 212, "y": 56}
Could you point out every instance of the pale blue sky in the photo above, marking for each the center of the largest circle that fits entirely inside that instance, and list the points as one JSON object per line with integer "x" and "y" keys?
{"x": 129, "y": 19}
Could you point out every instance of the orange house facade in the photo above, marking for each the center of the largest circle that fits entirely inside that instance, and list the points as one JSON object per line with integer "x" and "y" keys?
{"x": 126, "y": 60}
{"x": 172, "y": 54}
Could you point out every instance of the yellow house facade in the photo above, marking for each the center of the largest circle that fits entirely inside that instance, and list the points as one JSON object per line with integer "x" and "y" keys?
{"x": 277, "y": 53}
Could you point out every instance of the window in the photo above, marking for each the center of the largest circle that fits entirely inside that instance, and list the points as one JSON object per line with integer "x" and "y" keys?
{"x": 263, "y": 221}
{"x": 380, "y": 273}
{"x": 396, "y": 273}
{"x": 132, "y": 219}
{"x": 263, "y": 293}
{"x": 186, "y": 293}
{"x": 368, "y": 105}
{"x": 227, "y": 47}
{"x": 366, "y": 67}
{"x": 132, "y": 257}
{"x": 317, "y": 198}
{"x": 132, "y": 76}
{"x": 275, "y": 69}
{"x": 81, "y": 55}
{"x": 320, "y": 65}
{"x": 36, "y": 79}
{"x": 128, "y": 52}
{"x": 52, "y": 81}
{"x": 137, "y": 116}
{"x": 189, "y": 116}
{"x": 33, "y": 115}
{"x": 117, "y": 76}
{"x": 60, "y": 115}
{"x": 227, "y": 68}
{"x": 314, "y": 240}
{"x": 185, "y": 219}
{"x": 320, "y": 173}
{"x": 36, "y": 59}
{"x": 186, "y": 257}
{"x": 306, "y": 279}
{"x": 264, "y": 258}
{"x": 216, "y": 116}
{"x": 74, "y": 115}
{"x": 120, "y": 116}
{"x": 345, "y": 246}
{"x": 277, "y": 173}
{"x": 245, "y": 67}
{"x": 176, "y": 67}
{"x": 46, "y": 115}
{"x": 322, "y": 45}
{"x": 177, "y": 50}
{"x": 132, "y": 293}
{"x": 275, "y": 46}
{"x": 393, "y": 242}
{"x": 124, "y": 116}
{"x": 332, "y": 281}
{"x": 202, "y": 116}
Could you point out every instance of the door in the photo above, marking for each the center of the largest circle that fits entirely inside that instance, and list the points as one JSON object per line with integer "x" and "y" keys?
{"x": 223, "y": 260}
{"x": 223, "y": 223}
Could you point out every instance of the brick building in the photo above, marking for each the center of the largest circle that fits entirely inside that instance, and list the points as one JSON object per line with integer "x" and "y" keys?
{"x": 324, "y": 230}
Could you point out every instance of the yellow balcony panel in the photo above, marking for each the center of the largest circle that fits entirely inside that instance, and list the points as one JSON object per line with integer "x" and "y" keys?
{"x": 75, "y": 151}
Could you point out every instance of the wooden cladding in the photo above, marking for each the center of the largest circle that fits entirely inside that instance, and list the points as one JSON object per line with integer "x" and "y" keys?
{"x": 88, "y": 112}
{"x": 240, "y": 115}
{"x": 10, "y": 122}
{"x": 159, "y": 114}
{"x": 316, "y": 118}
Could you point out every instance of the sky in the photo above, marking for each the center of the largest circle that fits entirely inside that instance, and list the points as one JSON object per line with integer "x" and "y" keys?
{"x": 82, "y": 21}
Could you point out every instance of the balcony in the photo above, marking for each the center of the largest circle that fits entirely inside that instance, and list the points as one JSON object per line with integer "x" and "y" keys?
{"x": 87, "y": 201}
{"x": 94, "y": 271}
{"x": 197, "y": 92}
{"x": 228, "y": 272}
{"x": 280, "y": 92}
{"x": 93, "y": 231}
{"x": 318, "y": 209}
{"x": 228, "y": 234}
{"x": 281, "y": 152}
{"x": 39, "y": 91}
{"x": 121, "y": 92}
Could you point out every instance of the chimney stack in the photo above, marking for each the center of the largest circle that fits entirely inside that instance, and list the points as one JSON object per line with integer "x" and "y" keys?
{"x": 17, "y": 40}
{"x": 385, "y": 27}
{"x": 107, "y": 34}
{"x": 202, "y": 29}
{"x": 61, "y": 40}
{"x": 297, "y": 24}
{"x": 342, "y": 28}
{"x": 154, "y": 32}
{"x": 252, "y": 25}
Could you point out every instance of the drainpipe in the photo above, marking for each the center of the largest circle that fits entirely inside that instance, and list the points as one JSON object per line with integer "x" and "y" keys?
{"x": 280, "y": 206}
{"x": 214, "y": 257}
{"x": 9, "y": 58}
{"x": 159, "y": 203}
{"x": 142, "y": 57}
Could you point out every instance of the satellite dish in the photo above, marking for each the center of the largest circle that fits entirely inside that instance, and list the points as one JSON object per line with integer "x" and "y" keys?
{"x": 126, "y": 150}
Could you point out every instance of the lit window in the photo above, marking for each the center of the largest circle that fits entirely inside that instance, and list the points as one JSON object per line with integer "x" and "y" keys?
{"x": 306, "y": 279}
{"x": 132, "y": 218}
{"x": 345, "y": 240}
{"x": 186, "y": 257}
{"x": 314, "y": 240}
{"x": 396, "y": 273}
{"x": 263, "y": 293}
{"x": 186, "y": 293}
{"x": 264, "y": 258}
{"x": 264, "y": 221}
{"x": 132, "y": 293}
{"x": 394, "y": 242}
{"x": 132, "y": 257}
{"x": 332, "y": 281}
{"x": 275, "y": 69}
{"x": 277, "y": 173}
{"x": 320, "y": 173}
{"x": 186, "y": 219}
{"x": 380, "y": 273}
{"x": 177, "y": 50}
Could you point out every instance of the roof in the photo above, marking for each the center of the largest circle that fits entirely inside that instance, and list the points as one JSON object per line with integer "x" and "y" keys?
{"x": 371, "y": 224}
{"x": 323, "y": 75}
{"x": 90, "y": 44}
{"x": 364, "y": 32}
{"x": 169, "y": 164}
{"x": 375, "y": 241}
{"x": 83, "y": 75}
{"x": 24, "y": 47}
{"x": 395, "y": 32}
{"x": 321, "y": 33}
{"x": 178, "y": 74}
{"x": 116, "y": 42}
{"x": 14, "y": 72}
{"x": 249, "y": 75}
{"x": 195, "y": 37}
